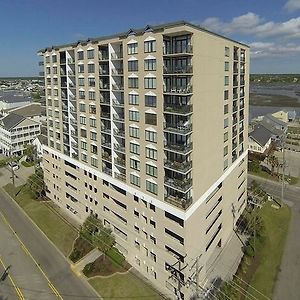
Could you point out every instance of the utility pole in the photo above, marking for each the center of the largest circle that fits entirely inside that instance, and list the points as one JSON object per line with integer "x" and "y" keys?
{"x": 283, "y": 166}
{"x": 195, "y": 277}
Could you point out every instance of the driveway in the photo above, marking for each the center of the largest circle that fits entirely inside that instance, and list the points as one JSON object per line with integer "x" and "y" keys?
{"x": 21, "y": 175}
{"x": 287, "y": 285}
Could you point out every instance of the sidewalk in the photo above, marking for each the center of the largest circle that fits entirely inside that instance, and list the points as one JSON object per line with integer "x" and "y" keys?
{"x": 90, "y": 257}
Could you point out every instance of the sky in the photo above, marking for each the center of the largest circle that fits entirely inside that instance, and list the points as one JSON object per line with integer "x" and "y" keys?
{"x": 270, "y": 27}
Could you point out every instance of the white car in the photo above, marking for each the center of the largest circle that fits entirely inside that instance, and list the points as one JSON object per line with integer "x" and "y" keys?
{"x": 13, "y": 165}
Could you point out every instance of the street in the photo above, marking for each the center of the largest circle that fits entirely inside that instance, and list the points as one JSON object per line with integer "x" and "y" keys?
{"x": 288, "y": 278}
{"x": 37, "y": 266}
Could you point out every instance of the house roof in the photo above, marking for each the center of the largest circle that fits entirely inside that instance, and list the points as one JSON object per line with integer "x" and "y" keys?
{"x": 261, "y": 135}
{"x": 29, "y": 110}
{"x": 11, "y": 120}
{"x": 271, "y": 127}
{"x": 138, "y": 31}
{"x": 273, "y": 120}
{"x": 43, "y": 139}
{"x": 13, "y": 97}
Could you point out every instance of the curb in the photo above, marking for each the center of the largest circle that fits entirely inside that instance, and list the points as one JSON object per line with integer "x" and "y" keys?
{"x": 58, "y": 250}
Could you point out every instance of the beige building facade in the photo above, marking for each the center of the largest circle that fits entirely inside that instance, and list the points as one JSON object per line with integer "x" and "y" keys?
{"x": 148, "y": 131}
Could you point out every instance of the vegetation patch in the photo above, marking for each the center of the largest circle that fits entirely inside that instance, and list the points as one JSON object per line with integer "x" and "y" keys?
{"x": 81, "y": 248}
{"x": 27, "y": 164}
{"x": 124, "y": 286}
{"x": 54, "y": 227}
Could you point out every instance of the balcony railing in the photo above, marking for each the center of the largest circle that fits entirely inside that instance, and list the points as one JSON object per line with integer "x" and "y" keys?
{"x": 179, "y": 202}
{"x": 117, "y": 71}
{"x": 181, "y": 148}
{"x": 120, "y": 162}
{"x": 118, "y": 103}
{"x": 178, "y": 128}
{"x": 178, "y": 166}
{"x": 178, "y": 70}
{"x": 235, "y": 108}
{"x": 105, "y": 115}
{"x": 178, "y": 184}
{"x": 107, "y": 171}
{"x": 104, "y": 86}
{"x": 120, "y": 176}
{"x": 104, "y": 100}
{"x": 182, "y": 109}
{"x": 106, "y": 144}
{"x": 103, "y": 55}
{"x": 119, "y": 148}
{"x": 235, "y": 83}
{"x": 105, "y": 129}
{"x": 178, "y": 89}
{"x": 116, "y": 55}
{"x": 119, "y": 132}
{"x": 179, "y": 50}
{"x": 106, "y": 156}
{"x": 118, "y": 118}
{"x": 117, "y": 87}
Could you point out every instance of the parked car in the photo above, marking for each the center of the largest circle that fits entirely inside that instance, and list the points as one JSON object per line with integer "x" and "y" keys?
{"x": 13, "y": 165}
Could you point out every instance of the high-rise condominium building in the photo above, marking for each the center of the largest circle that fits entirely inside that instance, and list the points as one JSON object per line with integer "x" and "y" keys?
{"x": 147, "y": 131}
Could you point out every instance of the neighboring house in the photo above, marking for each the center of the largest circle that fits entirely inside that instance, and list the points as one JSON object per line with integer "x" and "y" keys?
{"x": 285, "y": 115}
{"x": 31, "y": 111}
{"x": 11, "y": 99}
{"x": 275, "y": 123}
{"x": 38, "y": 142}
{"x": 15, "y": 132}
{"x": 260, "y": 140}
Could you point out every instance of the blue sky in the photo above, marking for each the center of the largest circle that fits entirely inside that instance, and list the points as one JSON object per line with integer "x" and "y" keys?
{"x": 271, "y": 27}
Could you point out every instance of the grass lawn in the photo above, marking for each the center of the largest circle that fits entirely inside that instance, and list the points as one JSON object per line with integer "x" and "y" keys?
{"x": 27, "y": 164}
{"x": 266, "y": 175}
{"x": 276, "y": 230}
{"x": 124, "y": 286}
{"x": 59, "y": 232}
{"x": 81, "y": 248}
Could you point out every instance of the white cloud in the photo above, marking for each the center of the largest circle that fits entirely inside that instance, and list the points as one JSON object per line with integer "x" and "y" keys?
{"x": 261, "y": 49}
{"x": 253, "y": 24}
{"x": 292, "y": 5}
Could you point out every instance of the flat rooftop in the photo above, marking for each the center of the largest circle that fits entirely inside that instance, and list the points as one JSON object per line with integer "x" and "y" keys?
{"x": 14, "y": 96}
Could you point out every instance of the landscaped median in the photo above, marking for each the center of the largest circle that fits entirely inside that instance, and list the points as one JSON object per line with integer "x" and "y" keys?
{"x": 58, "y": 231}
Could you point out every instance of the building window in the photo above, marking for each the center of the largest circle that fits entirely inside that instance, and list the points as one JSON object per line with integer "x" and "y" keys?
{"x": 83, "y": 133}
{"x": 226, "y": 95}
{"x": 134, "y": 116}
{"x": 225, "y": 137}
{"x": 225, "y": 109}
{"x": 91, "y": 81}
{"x": 83, "y": 157}
{"x": 151, "y": 136}
{"x": 90, "y": 54}
{"x": 151, "y": 170}
{"x": 226, "y": 66}
{"x": 134, "y": 132}
{"x": 92, "y": 109}
{"x": 81, "y": 81}
{"x": 82, "y": 120}
{"x": 150, "y": 119}
{"x": 80, "y": 55}
{"x": 133, "y": 65}
{"x": 227, "y": 51}
{"x": 225, "y": 150}
{"x": 54, "y": 58}
{"x": 151, "y": 153}
{"x": 93, "y": 122}
{"x": 135, "y": 180}
{"x": 81, "y": 68}
{"x": 134, "y": 164}
{"x": 149, "y": 46}
{"x": 83, "y": 145}
{"x": 226, "y": 80}
{"x": 150, "y": 101}
{"x": 94, "y": 149}
{"x": 133, "y": 48}
{"x": 134, "y": 148}
{"x": 225, "y": 123}
{"x": 150, "y": 65}
{"x": 92, "y": 95}
{"x": 133, "y": 82}
{"x": 94, "y": 162}
{"x": 150, "y": 83}
{"x": 81, "y": 107}
{"x": 81, "y": 95}
{"x": 133, "y": 99}
{"x": 93, "y": 136}
{"x": 91, "y": 68}
{"x": 151, "y": 187}
{"x": 225, "y": 164}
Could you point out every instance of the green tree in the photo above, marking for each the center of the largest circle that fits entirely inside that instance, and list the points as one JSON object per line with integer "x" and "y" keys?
{"x": 104, "y": 240}
{"x": 30, "y": 152}
{"x": 90, "y": 227}
{"x": 273, "y": 161}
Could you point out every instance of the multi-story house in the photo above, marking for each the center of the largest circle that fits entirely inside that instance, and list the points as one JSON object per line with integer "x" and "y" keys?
{"x": 148, "y": 130}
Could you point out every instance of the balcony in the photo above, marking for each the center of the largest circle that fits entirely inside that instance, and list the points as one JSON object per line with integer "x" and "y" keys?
{"x": 107, "y": 171}
{"x": 105, "y": 115}
{"x": 178, "y": 128}
{"x": 119, "y": 148}
{"x": 104, "y": 86}
{"x": 235, "y": 83}
{"x": 116, "y": 55}
{"x": 178, "y": 109}
{"x": 117, "y": 87}
{"x": 120, "y": 162}
{"x": 183, "y": 203}
{"x": 178, "y": 166}
{"x": 117, "y": 71}
{"x": 179, "y": 148}
{"x": 178, "y": 90}
{"x": 106, "y": 144}
{"x": 120, "y": 176}
{"x": 119, "y": 118}
{"x": 119, "y": 132}
{"x": 106, "y": 156}
{"x": 106, "y": 129}
{"x": 178, "y": 70}
{"x": 235, "y": 108}
{"x": 179, "y": 184}
{"x": 188, "y": 49}
{"x": 118, "y": 103}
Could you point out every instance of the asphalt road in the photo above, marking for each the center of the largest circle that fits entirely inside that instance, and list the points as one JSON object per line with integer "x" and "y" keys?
{"x": 288, "y": 280}
{"x": 56, "y": 269}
